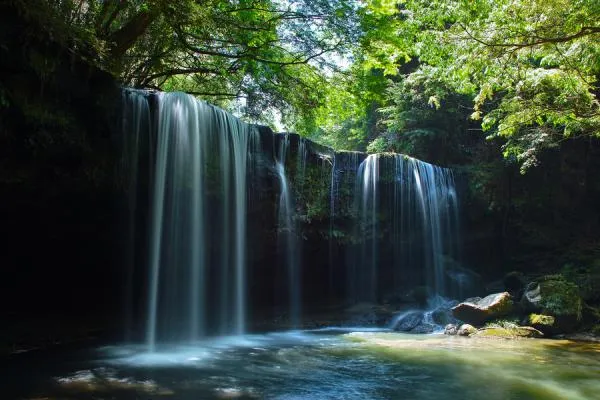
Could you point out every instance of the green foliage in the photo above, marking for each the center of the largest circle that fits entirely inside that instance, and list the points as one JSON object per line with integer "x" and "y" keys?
{"x": 530, "y": 67}
{"x": 560, "y": 297}
{"x": 378, "y": 145}
{"x": 510, "y": 324}
{"x": 248, "y": 55}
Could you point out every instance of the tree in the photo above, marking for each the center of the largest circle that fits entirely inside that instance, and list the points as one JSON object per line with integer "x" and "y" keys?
{"x": 268, "y": 52}
{"x": 531, "y": 67}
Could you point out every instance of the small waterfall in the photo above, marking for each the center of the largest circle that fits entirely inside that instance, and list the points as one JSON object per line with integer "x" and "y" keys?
{"x": 287, "y": 235}
{"x": 367, "y": 180}
{"x": 332, "y": 197}
{"x": 199, "y": 160}
{"x": 407, "y": 221}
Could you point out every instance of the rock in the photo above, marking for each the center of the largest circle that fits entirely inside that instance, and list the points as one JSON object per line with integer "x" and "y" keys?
{"x": 513, "y": 331}
{"x": 554, "y": 296}
{"x": 582, "y": 337}
{"x": 423, "y": 327}
{"x": 442, "y": 317}
{"x": 443, "y": 314}
{"x": 472, "y": 300}
{"x": 451, "y": 329}
{"x": 543, "y": 323}
{"x": 466, "y": 330}
{"x": 490, "y": 307}
{"x": 407, "y": 321}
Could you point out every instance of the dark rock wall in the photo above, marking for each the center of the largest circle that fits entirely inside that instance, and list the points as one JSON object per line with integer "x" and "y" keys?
{"x": 57, "y": 205}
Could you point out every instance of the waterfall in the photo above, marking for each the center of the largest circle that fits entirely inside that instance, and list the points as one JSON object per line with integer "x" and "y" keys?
{"x": 407, "y": 209}
{"x": 286, "y": 234}
{"x": 193, "y": 172}
{"x": 367, "y": 185}
{"x": 199, "y": 160}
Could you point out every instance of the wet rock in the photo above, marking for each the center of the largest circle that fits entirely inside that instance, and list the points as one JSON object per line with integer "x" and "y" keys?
{"x": 443, "y": 316}
{"x": 509, "y": 332}
{"x": 581, "y": 337}
{"x": 451, "y": 329}
{"x": 472, "y": 300}
{"x": 490, "y": 307}
{"x": 408, "y": 321}
{"x": 466, "y": 330}
{"x": 554, "y": 296}
{"x": 423, "y": 327}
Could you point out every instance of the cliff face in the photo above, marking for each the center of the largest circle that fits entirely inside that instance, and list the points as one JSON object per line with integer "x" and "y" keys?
{"x": 63, "y": 220}
{"x": 56, "y": 180}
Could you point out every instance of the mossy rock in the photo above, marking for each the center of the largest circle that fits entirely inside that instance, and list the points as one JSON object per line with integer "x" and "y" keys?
{"x": 544, "y": 323}
{"x": 587, "y": 279}
{"x": 555, "y": 296}
{"x": 477, "y": 312}
{"x": 508, "y": 332}
{"x": 466, "y": 330}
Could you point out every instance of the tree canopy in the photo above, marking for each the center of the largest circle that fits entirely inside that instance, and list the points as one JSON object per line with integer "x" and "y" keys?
{"x": 530, "y": 68}
{"x": 269, "y": 53}
{"x": 357, "y": 74}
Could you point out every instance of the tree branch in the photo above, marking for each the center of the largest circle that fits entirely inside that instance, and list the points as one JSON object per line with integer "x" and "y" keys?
{"x": 539, "y": 40}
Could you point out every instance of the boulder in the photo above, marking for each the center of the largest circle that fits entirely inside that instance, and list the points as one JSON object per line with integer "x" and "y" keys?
{"x": 490, "y": 307}
{"x": 423, "y": 327}
{"x": 443, "y": 316}
{"x": 407, "y": 321}
{"x": 554, "y": 296}
{"x": 451, "y": 330}
{"x": 509, "y": 332}
{"x": 466, "y": 330}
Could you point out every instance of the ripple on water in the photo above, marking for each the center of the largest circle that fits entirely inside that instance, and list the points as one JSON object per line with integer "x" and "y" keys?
{"x": 332, "y": 365}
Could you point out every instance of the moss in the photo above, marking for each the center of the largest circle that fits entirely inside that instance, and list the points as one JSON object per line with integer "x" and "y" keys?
{"x": 503, "y": 323}
{"x": 586, "y": 277}
{"x": 540, "y": 319}
{"x": 509, "y": 331}
{"x": 560, "y": 297}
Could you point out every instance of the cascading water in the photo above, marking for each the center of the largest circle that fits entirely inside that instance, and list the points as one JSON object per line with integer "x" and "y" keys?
{"x": 191, "y": 204}
{"x": 414, "y": 204}
{"x": 288, "y": 242}
{"x": 200, "y": 159}
{"x": 366, "y": 185}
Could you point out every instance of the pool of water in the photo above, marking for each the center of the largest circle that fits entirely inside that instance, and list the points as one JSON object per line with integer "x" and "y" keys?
{"x": 323, "y": 364}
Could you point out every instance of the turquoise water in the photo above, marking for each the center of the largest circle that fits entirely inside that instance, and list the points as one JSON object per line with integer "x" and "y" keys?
{"x": 326, "y": 364}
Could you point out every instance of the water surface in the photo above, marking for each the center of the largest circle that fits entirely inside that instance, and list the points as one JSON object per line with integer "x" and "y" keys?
{"x": 324, "y": 364}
